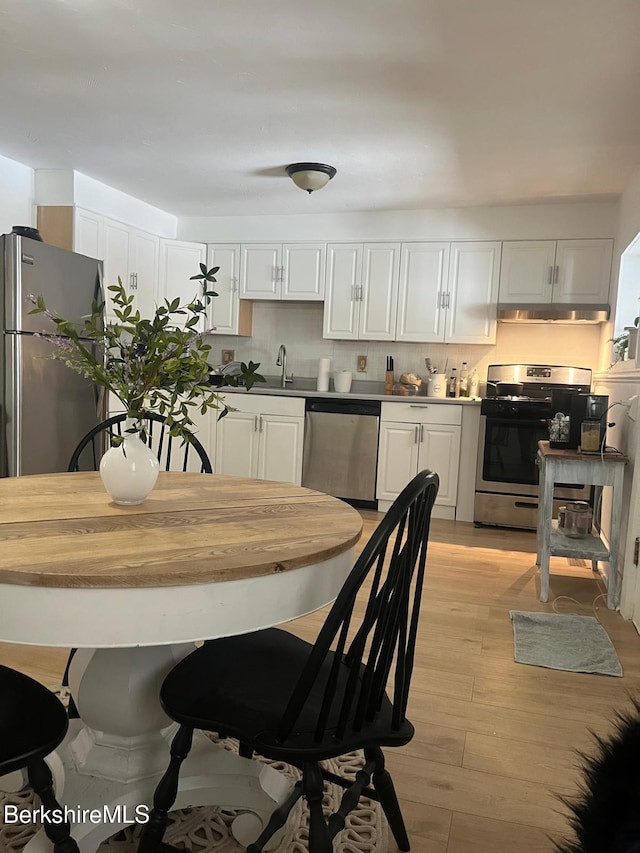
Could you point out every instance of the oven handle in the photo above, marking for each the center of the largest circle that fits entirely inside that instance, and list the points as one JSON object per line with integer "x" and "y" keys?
{"x": 516, "y": 421}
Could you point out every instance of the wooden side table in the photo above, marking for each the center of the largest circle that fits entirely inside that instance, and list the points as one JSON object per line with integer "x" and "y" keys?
{"x": 571, "y": 466}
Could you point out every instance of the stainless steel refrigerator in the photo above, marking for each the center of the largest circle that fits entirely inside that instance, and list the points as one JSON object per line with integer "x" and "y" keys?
{"x": 45, "y": 408}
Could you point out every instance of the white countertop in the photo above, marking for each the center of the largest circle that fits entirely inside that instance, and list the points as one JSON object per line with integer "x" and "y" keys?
{"x": 362, "y": 390}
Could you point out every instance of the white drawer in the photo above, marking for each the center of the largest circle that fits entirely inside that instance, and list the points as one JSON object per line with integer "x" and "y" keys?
{"x": 263, "y": 404}
{"x": 422, "y": 413}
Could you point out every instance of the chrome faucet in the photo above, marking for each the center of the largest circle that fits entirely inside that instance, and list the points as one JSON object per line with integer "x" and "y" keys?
{"x": 281, "y": 361}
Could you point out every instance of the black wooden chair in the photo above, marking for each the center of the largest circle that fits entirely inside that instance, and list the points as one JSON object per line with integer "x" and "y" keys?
{"x": 292, "y": 701}
{"x": 173, "y": 454}
{"x": 33, "y": 722}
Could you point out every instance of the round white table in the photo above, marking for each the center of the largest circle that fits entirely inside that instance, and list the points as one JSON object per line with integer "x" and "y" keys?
{"x": 132, "y": 588}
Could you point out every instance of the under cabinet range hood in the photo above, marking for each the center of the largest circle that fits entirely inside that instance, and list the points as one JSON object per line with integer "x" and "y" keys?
{"x": 517, "y": 312}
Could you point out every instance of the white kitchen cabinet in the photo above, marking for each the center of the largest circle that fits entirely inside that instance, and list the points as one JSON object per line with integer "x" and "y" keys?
{"x": 362, "y": 291}
{"x": 127, "y": 253}
{"x": 283, "y": 271}
{"x": 262, "y": 438}
{"x": 87, "y": 233}
{"x": 562, "y": 271}
{"x": 227, "y": 313}
{"x": 180, "y": 260}
{"x": 415, "y": 437}
{"x": 448, "y": 292}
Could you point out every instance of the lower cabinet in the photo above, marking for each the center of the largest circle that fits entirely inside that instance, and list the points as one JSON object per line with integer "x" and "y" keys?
{"x": 262, "y": 438}
{"x": 414, "y": 437}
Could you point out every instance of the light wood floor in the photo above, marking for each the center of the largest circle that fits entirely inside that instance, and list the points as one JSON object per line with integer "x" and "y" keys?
{"x": 495, "y": 741}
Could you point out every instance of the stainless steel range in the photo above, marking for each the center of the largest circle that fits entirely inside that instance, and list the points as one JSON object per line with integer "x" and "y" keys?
{"x": 510, "y": 429}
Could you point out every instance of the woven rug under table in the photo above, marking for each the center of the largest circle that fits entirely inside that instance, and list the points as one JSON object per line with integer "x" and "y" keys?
{"x": 207, "y": 829}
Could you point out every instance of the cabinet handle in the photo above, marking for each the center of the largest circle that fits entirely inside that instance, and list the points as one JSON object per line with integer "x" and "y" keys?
{"x": 556, "y": 274}
{"x": 550, "y": 276}
{"x": 282, "y": 274}
{"x": 361, "y": 293}
{"x": 260, "y": 416}
{"x": 447, "y": 300}
{"x": 416, "y": 434}
{"x": 421, "y": 433}
{"x": 255, "y": 423}
{"x": 417, "y": 406}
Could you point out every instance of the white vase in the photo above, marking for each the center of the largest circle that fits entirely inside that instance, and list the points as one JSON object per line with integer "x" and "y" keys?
{"x": 129, "y": 471}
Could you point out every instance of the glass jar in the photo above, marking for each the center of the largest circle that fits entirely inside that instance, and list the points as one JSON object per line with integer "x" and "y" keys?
{"x": 578, "y": 520}
{"x": 590, "y": 436}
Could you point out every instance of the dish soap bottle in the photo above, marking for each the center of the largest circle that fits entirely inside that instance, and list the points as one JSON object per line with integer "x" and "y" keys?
{"x": 452, "y": 384}
{"x": 464, "y": 380}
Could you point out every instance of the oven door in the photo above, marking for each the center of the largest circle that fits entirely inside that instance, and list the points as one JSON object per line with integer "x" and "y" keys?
{"x": 507, "y": 452}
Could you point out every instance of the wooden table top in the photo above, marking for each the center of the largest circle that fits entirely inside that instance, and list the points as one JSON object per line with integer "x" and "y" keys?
{"x": 578, "y": 456}
{"x": 62, "y": 530}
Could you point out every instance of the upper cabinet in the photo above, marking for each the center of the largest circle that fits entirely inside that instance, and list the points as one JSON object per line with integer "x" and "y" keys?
{"x": 361, "y": 291}
{"x": 448, "y": 292}
{"x": 227, "y": 313}
{"x": 179, "y": 261}
{"x": 291, "y": 271}
{"x": 132, "y": 256}
{"x": 563, "y": 271}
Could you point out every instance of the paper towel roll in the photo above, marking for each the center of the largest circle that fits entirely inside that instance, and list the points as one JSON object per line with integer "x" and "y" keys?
{"x": 324, "y": 369}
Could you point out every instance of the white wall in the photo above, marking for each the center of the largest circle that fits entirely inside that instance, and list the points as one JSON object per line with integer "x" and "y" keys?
{"x": 16, "y": 195}
{"x": 511, "y": 222}
{"x": 622, "y": 383}
{"x": 64, "y": 187}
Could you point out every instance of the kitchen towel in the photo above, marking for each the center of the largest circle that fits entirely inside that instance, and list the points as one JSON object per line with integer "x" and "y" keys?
{"x": 558, "y": 641}
{"x": 324, "y": 369}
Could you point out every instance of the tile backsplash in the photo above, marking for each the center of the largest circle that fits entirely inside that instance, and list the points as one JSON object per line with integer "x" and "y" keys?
{"x": 298, "y": 326}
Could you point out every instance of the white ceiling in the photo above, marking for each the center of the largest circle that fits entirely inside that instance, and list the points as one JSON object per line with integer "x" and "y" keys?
{"x": 196, "y": 106}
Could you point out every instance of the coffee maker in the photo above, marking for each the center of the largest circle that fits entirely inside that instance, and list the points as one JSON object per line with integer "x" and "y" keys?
{"x": 588, "y": 407}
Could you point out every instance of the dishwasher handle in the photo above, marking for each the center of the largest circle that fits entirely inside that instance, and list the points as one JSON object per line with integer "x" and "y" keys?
{"x": 343, "y": 407}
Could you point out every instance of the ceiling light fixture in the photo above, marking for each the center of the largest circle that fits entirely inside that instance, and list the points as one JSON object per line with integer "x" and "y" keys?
{"x": 310, "y": 176}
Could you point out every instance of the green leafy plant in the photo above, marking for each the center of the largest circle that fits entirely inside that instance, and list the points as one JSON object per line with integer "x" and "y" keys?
{"x": 621, "y": 344}
{"x": 158, "y": 364}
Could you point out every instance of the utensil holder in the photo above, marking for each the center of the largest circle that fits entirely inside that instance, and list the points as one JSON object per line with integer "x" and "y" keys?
{"x": 388, "y": 382}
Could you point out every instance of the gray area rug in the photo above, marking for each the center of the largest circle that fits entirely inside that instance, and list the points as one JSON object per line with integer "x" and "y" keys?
{"x": 557, "y": 641}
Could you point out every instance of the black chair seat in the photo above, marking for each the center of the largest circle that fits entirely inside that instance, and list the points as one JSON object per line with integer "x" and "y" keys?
{"x": 33, "y": 722}
{"x": 245, "y": 696}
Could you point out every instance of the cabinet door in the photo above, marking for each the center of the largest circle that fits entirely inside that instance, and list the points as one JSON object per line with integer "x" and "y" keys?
{"x": 87, "y": 233}
{"x": 526, "y": 274}
{"x": 439, "y": 451}
{"x": 143, "y": 271}
{"x": 344, "y": 279}
{"x": 261, "y": 271}
{"x": 397, "y": 458}
{"x": 472, "y": 298}
{"x": 280, "y": 453}
{"x": 224, "y": 308}
{"x": 178, "y": 262}
{"x": 237, "y": 445}
{"x": 116, "y": 259}
{"x": 379, "y": 292}
{"x": 583, "y": 270}
{"x": 304, "y": 270}
{"x": 424, "y": 269}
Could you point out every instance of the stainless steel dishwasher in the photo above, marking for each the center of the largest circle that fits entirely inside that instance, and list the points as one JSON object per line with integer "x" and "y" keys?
{"x": 341, "y": 448}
